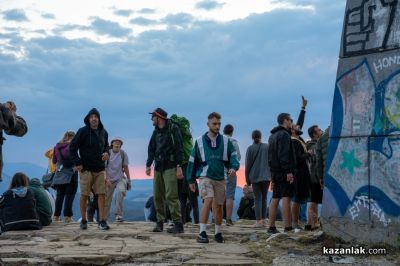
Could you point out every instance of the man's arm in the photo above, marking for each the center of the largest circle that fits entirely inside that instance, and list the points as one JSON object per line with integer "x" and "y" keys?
{"x": 285, "y": 153}
{"x": 236, "y": 145}
{"x": 151, "y": 150}
{"x": 7, "y": 117}
{"x": 73, "y": 148}
{"x": 246, "y": 166}
{"x": 300, "y": 119}
{"x": 233, "y": 160}
{"x": 192, "y": 165}
{"x": 319, "y": 160}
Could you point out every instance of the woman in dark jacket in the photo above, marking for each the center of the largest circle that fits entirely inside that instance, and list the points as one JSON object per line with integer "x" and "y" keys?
{"x": 65, "y": 179}
{"x": 17, "y": 206}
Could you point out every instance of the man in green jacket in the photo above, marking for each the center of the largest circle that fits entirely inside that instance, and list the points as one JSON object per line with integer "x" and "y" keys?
{"x": 43, "y": 204}
{"x": 166, "y": 151}
{"x": 213, "y": 155}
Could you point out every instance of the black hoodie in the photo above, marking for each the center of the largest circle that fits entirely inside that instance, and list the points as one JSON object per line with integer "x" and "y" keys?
{"x": 281, "y": 156}
{"x": 91, "y": 145}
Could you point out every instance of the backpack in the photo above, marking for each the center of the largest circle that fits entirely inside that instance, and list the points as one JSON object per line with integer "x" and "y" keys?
{"x": 187, "y": 141}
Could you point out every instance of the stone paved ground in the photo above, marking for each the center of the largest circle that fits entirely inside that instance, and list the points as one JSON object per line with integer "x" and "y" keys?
{"x": 132, "y": 243}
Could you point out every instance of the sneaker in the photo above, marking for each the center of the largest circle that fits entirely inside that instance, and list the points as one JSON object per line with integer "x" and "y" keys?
{"x": 159, "y": 227}
{"x": 56, "y": 219}
{"x": 176, "y": 229}
{"x": 218, "y": 238}
{"x": 229, "y": 222}
{"x": 288, "y": 229}
{"x": 258, "y": 225}
{"x": 308, "y": 227}
{"x": 68, "y": 219}
{"x": 119, "y": 219}
{"x": 272, "y": 230}
{"x": 83, "y": 224}
{"x": 103, "y": 225}
{"x": 202, "y": 237}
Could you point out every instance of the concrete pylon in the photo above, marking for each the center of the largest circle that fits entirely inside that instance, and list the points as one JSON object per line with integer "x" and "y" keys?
{"x": 362, "y": 176}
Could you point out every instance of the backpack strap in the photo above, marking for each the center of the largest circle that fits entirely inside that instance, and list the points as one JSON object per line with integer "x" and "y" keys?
{"x": 200, "y": 144}
{"x": 225, "y": 156}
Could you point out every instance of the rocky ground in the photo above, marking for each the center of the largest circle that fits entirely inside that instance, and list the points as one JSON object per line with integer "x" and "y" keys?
{"x": 133, "y": 243}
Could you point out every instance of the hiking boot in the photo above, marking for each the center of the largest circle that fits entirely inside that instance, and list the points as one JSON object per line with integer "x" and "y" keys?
{"x": 176, "y": 229}
{"x": 229, "y": 222}
{"x": 119, "y": 219}
{"x": 288, "y": 229}
{"x": 218, "y": 238}
{"x": 68, "y": 219}
{"x": 159, "y": 227}
{"x": 83, "y": 225}
{"x": 202, "y": 237}
{"x": 56, "y": 219}
{"x": 272, "y": 230}
{"x": 103, "y": 225}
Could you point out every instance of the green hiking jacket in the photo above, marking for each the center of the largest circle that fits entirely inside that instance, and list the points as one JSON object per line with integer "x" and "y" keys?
{"x": 43, "y": 204}
{"x": 211, "y": 162}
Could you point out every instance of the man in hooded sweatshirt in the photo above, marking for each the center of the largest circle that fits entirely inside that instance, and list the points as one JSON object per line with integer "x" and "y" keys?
{"x": 92, "y": 143}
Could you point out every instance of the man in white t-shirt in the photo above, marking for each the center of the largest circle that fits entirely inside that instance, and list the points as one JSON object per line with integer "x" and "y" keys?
{"x": 117, "y": 178}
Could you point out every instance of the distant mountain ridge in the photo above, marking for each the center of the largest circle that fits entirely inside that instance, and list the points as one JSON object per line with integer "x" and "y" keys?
{"x": 134, "y": 201}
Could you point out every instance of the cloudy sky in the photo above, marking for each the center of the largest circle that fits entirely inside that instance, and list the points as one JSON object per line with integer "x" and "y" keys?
{"x": 248, "y": 60}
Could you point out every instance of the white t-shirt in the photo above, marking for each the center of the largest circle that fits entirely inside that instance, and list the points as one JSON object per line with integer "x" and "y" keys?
{"x": 114, "y": 168}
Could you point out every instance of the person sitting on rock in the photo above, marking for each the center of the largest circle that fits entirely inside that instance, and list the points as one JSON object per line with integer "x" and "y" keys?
{"x": 17, "y": 206}
{"x": 246, "y": 205}
{"x": 43, "y": 204}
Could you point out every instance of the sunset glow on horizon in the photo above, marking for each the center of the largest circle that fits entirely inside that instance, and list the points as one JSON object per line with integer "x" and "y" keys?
{"x": 139, "y": 173}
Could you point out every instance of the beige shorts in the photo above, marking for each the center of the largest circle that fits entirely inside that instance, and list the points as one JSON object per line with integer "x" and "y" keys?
{"x": 210, "y": 188}
{"x": 95, "y": 180}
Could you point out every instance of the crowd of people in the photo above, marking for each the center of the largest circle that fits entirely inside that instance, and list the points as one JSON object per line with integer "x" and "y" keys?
{"x": 183, "y": 169}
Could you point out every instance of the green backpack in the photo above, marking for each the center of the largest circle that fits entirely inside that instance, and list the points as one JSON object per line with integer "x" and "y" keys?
{"x": 187, "y": 141}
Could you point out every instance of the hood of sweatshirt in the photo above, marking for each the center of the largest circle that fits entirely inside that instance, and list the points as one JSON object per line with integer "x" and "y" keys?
{"x": 35, "y": 182}
{"x": 95, "y": 112}
{"x": 20, "y": 191}
{"x": 279, "y": 128}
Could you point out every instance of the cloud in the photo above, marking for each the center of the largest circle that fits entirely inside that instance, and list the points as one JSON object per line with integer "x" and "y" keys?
{"x": 109, "y": 28}
{"x": 123, "y": 12}
{"x": 48, "y": 16}
{"x": 69, "y": 27}
{"x": 180, "y": 19}
{"x": 209, "y": 5}
{"x": 15, "y": 15}
{"x": 147, "y": 11}
{"x": 142, "y": 21}
{"x": 249, "y": 70}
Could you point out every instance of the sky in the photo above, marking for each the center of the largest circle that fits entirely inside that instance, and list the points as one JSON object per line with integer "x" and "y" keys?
{"x": 248, "y": 60}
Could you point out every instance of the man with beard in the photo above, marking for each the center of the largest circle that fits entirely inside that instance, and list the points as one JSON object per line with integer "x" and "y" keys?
{"x": 213, "y": 154}
{"x": 92, "y": 143}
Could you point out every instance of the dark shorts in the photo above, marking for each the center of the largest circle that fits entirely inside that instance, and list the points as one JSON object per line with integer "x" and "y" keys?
{"x": 282, "y": 188}
{"x": 316, "y": 193}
